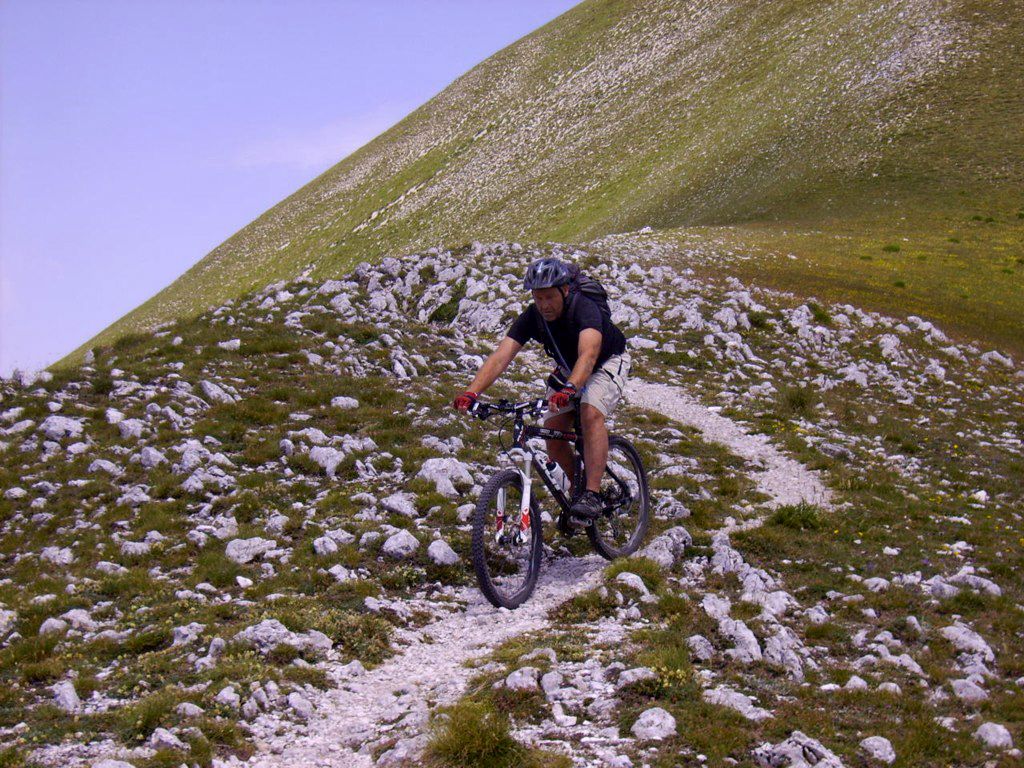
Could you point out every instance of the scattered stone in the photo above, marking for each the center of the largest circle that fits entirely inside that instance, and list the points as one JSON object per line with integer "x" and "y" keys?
{"x": 228, "y": 697}
{"x": 400, "y": 503}
{"x": 444, "y": 473}
{"x": 635, "y": 675}
{"x": 879, "y": 748}
{"x": 523, "y": 679}
{"x": 161, "y": 738}
{"x": 967, "y": 691}
{"x": 151, "y": 457}
{"x": 856, "y": 683}
{"x": 669, "y": 547}
{"x": 59, "y": 427}
{"x": 798, "y": 751}
{"x": 188, "y": 709}
{"x": 441, "y": 553}
{"x": 400, "y": 545}
{"x": 701, "y": 647}
{"x": 968, "y": 641}
{"x": 53, "y": 626}
{"x": 65, "y": 696}
{"x": 58, "y": 555}
{"x": 300, "y": 705}
{"x": 994, "y": 736}
{"x": 746, "y": 650}
{"x": 724, "y": 696}
{"x": 244, "y": 550}
{"x": 654, "y": 724}
{"x": 215, "y": 393}
{"x": 325, "y": 546}
{"x": 187, "y": 634}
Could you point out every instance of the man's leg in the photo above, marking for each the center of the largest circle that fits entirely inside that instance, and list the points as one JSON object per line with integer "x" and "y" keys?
{"x": 560, "y": 450}
{"x": 595, "y": 445}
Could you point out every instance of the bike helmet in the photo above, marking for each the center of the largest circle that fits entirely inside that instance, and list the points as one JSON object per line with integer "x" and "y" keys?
{"x": 546, "y": 273}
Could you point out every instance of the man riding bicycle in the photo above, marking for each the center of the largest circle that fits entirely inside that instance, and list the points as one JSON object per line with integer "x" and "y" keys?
{"x": 592, "y": 362}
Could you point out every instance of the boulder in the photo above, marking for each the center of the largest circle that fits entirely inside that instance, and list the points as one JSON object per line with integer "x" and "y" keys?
{"x": 65, "y": 696}
{"x": 300, "y": 705}
{"x": 244, "y": 550}
{"x": 994, "y": 736}
{"x": 440, "y": 553}
{"x": 400, "y": 545}
{"x": 444, "y": 473}
{"x": 58, "y": 427}
{"x": 400, "y": 503}
{"x": 798, "y": 751}
{"x": 879, "y": 748}
{"x": 523, "y": 679}
{"x": 654, "y": 724}
{"x": 668, "y": 548}
{"x": 724, "y": 696}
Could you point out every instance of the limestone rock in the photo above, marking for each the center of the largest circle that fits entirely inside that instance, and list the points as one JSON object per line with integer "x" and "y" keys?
{"x": 400, "y": 545}
{"x": 441, "y": 553}
{"x": 654, "y": 724}
{"x": 244, "y": 550}
{"x": 879, "y": 748}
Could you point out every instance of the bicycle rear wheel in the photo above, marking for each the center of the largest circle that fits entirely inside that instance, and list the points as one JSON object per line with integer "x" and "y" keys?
{"x": 621, "y": 528}
{"x": 506, "y": 557}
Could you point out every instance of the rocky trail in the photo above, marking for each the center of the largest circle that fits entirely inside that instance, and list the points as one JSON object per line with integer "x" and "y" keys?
{"x": 395, "y": 698}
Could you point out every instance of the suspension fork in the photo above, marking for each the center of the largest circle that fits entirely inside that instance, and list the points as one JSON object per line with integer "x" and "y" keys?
{"x": 524, "y": 472}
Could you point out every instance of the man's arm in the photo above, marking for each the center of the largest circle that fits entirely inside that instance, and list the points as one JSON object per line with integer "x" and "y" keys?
{"x": 496, "y": 364}
{"x": 588, "y": 351}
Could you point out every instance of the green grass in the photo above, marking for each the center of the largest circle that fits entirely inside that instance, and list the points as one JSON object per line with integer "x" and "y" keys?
{"x": 473, "y": 734}
{"x": 960, "y": 274}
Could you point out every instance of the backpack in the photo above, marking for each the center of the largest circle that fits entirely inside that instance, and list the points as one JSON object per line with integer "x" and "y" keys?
{"x": 589, "y": 287}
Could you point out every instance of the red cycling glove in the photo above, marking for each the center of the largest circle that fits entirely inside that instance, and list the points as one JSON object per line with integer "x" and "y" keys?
{"x": 561, "y": 399}
{"x": 465, "y": 401}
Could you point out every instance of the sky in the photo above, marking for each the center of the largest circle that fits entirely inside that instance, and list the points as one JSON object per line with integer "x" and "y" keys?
{"x": 135, "y": 136}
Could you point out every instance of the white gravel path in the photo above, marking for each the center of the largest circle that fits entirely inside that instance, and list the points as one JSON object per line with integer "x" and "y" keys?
{"x": 783, "y": 479}
{"x": 430, "y": 669}
{"x": 434, "y": 670}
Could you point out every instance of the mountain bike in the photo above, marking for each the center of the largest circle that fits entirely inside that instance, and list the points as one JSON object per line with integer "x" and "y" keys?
{"x": 507, "y": 526}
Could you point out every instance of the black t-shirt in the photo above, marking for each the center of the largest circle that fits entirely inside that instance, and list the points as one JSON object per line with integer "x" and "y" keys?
{"x": 581, "y": 313}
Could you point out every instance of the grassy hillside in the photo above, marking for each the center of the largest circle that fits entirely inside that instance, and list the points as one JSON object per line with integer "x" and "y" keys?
{"x": 619, "y": 115}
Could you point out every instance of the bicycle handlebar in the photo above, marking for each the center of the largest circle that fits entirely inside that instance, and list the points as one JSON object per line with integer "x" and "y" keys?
{"x": 483, "y": 411}
{"x": 536, "y": 407}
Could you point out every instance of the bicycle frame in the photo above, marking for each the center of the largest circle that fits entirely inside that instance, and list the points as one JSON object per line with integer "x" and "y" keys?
{"x": 530, "y": 459}
{"x": 521, "y": 432}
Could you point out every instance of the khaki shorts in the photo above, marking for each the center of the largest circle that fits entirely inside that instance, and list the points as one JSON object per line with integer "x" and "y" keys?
{"x": 604, "y": 388}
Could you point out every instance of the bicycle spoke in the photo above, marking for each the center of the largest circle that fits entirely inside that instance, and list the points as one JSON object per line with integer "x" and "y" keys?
{"x": 620, "y": 528}
{"x": 508, "y": 546}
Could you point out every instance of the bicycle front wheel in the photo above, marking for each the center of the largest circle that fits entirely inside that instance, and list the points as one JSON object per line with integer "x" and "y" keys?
{"x": 507, "y": 545}
{"x": 622, "y": 526}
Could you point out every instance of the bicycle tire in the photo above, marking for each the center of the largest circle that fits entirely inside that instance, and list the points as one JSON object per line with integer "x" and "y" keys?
{"x": 481, "y": 519}
{"x": 594, "y": 533}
